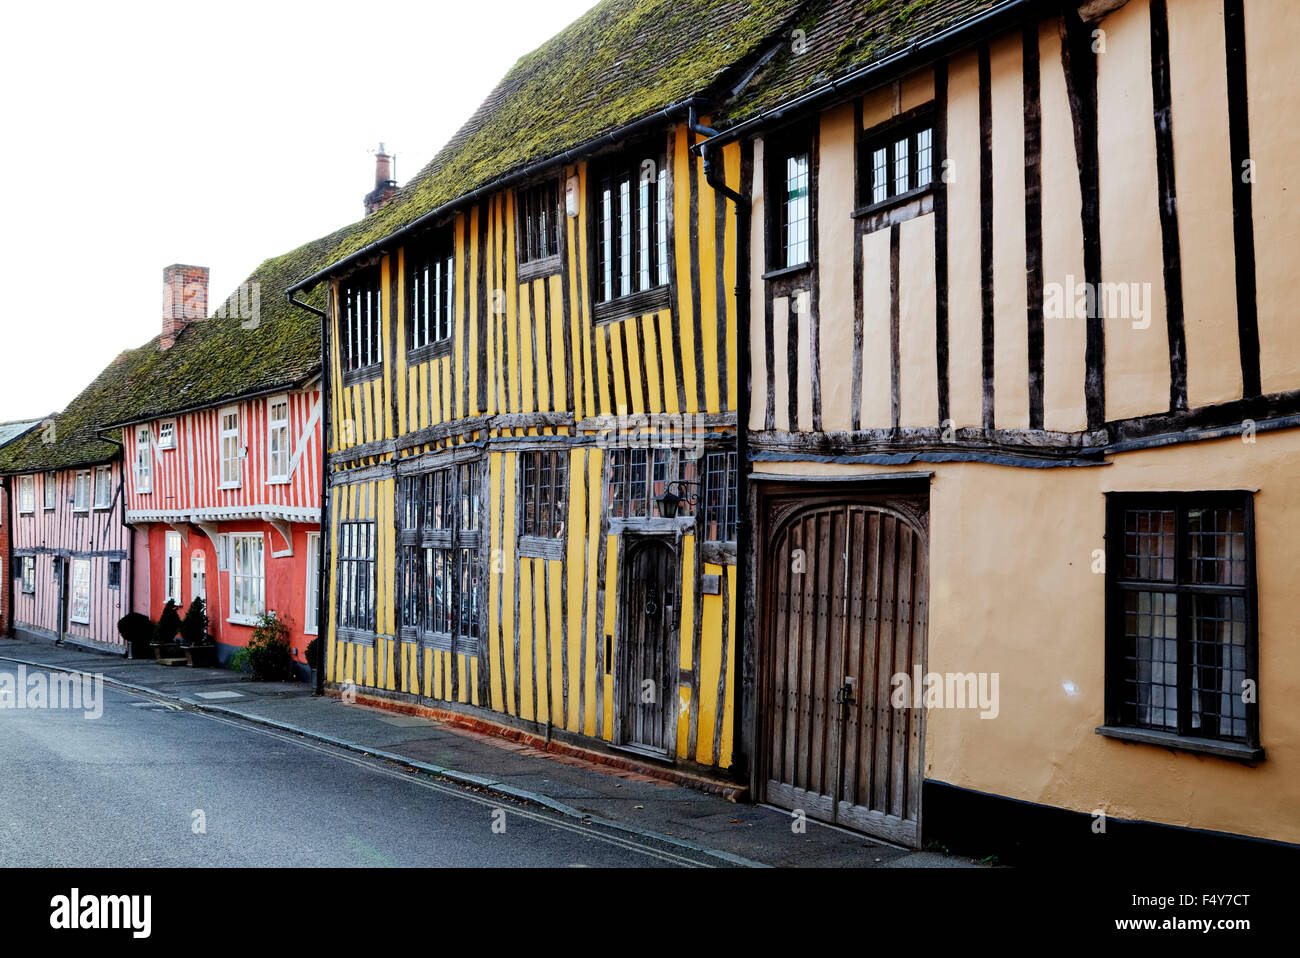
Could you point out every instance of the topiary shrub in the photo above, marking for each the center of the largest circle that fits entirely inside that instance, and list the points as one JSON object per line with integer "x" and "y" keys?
{"x": 136, "y": 630}
{"x": 169, "y": 624}
{"x": 194, "y": 627}
{"x": 268, "y": 649}
{"x": 313, "y": 653}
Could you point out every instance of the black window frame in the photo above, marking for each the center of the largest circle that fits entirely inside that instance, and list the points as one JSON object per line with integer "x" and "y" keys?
{"x": 535, "y": 253}
{"x": 430, "y": 326}
{"x": 1120, "y": 724}
{"x": 543, "y": 496}
{"x": 361, "y": 324}
{"x": 778, "y": 150}
{"x": 440, "y": 529}
{"x": 356, "y": 567}
{"x": 115, "y": 573}
{"x": 720, "y": 509}
{"x": 610, "y": 301}
{"x": 909, "y": 125}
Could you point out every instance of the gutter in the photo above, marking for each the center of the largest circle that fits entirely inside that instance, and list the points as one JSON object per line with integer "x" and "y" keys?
{"x": 584, "y": 149}
{"x": 916, "y": 53}
{"x": 322, "y": 553}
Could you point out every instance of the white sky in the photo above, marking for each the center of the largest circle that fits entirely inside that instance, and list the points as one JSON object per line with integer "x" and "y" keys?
{"x": 137, "y": 135}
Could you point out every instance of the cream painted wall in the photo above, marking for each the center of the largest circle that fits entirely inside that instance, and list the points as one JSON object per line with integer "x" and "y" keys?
{"x": 1272, "y": 27}
{"x": 918, "y": 389}
{"x": 965, "y": 338}
{"x": 836, "y": 197}
{"x": 1010, "y": 298}
{"x": 1137, "y": 358}
{"x": 877, "y": 386}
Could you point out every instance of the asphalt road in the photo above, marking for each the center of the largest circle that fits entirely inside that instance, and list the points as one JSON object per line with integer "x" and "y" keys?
{"x": 125, "y": 789}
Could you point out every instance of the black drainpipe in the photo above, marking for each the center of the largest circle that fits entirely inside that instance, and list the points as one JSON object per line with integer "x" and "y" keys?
{"x": 714, "y": 175}
{"x": 322, "y": 554}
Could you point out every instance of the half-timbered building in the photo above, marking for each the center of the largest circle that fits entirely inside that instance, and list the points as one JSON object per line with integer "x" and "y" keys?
{"x": 9, "y": 431}
{"x": 1022, "y": 419}
{"x": 220, "y": 427}
{"x": 532, "y": 385}
{"x": 72, "y": 558}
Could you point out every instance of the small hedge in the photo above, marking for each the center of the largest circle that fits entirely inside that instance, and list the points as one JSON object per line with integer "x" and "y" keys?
{"x": 268, "y": 649}
{"x": 136, "y": 630}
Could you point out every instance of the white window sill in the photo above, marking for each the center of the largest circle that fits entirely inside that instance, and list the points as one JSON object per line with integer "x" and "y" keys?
{"x": 229, "y": 485}
{"x": 81, "y": 509}
{"x": 311, "y": 631}
{"x": 75, "y": 621}
{"x": 278, "y": 481}
{"x": 107, "y": 505}
{"x": 240, "y": 620}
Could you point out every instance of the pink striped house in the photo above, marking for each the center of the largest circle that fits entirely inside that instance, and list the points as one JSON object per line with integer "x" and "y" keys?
{"x": 222, "y": 451}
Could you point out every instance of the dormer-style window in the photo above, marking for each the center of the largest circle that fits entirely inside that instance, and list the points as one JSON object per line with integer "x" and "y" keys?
{"x": 103, "y": 487}
{"x": 277, "y": 439}
{"x": 229, "y": 450}
{"x": 143, "y": 460}
{"x": 896, "y": 158}
{"x": 361, "y": 317}
{"x": 538, "y": 224}
{"x": 632, "y": 200}
{"x": 430, "y": 291}
{"x": 167, "y": 434}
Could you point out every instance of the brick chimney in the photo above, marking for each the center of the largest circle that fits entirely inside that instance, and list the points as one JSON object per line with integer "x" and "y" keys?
{"x": 185, "y": 299}
{"x": 385, "y": 181}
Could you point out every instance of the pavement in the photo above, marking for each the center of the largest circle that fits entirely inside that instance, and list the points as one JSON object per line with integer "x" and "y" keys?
{"x": 641, "y": 808}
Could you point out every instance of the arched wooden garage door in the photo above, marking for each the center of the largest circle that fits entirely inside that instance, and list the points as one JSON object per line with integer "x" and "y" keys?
{"x": 844, "y": 611}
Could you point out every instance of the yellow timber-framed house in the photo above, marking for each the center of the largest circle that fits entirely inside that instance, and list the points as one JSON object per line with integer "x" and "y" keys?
{"x": 885, "y": 410}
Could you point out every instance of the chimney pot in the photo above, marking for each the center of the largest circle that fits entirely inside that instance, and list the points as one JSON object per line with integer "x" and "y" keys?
{"x": 185, "y": 300}
{"x": 385, "y": 181}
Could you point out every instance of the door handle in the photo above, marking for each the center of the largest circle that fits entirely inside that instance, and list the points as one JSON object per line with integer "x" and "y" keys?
{"x": 844, "y": 696}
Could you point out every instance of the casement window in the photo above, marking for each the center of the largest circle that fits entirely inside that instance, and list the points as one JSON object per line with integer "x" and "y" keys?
{"x": 356, "y": 576}
{"x": 167, "y": 434}
{"x": 277, "y": 439}
{"x": 639, "y": 477}
{"x": 26, "y": 494}
{"x": 361, "y": 318}
{"x": 115, "y": 573}
{"x": 440, "y": 542}
{"x": 28, "y": 573}
{"x": 720, "y": 497}
{"x": 896, "y": 159}
{"x": 49, "y": 490}
{"x": 81, "y": 492}
{"x": 143, "y": 460}
{"x": 311, "y": 617}
{"x": 631, "y": 225}
{"x": 172, "y": 567}
{"x": 79, "y": 610}
{"x": 543, "y": 491}
{"x": 431, "y": 292}
{"x": 198, "y": 576}
{"x": 229, "y": 450}
{"x": 103, "y": 487}
{"x": 538, "y": 222}
{"x": 792, "y": 189}
{"x": 247, "y": 577}
{"x": 1181, "y": 642}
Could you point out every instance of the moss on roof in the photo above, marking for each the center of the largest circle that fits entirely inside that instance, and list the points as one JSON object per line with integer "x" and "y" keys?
{"x": 840, "y": 36}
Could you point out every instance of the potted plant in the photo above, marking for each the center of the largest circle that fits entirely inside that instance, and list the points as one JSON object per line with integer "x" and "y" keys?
{"x": 137, "y": 631}
{"x": 164, "y": 641}
{"x": 200, "y": 650}
{"x": 268, "y": 649}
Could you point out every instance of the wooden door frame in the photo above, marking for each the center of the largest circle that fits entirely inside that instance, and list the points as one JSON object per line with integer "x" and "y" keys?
{"x": 626, "y": 540}
{"x": 776, "y": 502}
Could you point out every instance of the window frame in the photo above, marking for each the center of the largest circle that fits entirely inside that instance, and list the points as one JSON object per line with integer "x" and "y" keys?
{"x": 886, "y": 134}
{"x": 311, "y": 618}
{"x": 167, "y": 434}
{"x": 531, "y": 260}
{"x": 114, "y": 574}
{"x": 728, "y": 505}
{"x": 1183, "y": 737}
{"x": 27, "y": 572}
{"x": 49, "y": 491}
{"x": 172, "y": 571}
{"x": 777, "y": 151}
{"x": 224, "y": 433}
{"x": 532, "y": 541}
{"x": 284, "y": 426}
{"x": 80, "y": 504}
{"x": 657, "y": 246}
{"x": 79, "y": 573}
{"x": 107, "y": 502}
{"x": 434, "y": 255}
{"x": 355, "y": 611}
{"x": 239, "y": 615}
{"x": 360, "y": 324}
{"x": 143, "y": 459}
{"x": 27, "y": 495}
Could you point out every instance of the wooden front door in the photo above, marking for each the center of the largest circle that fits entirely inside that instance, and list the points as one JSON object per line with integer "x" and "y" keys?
{"x": 649, "y": 615}
{"x": 844, "y": 611}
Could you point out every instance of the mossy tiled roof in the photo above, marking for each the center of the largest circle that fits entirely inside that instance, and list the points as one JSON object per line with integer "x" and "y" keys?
{"x": 839, "y": 37}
